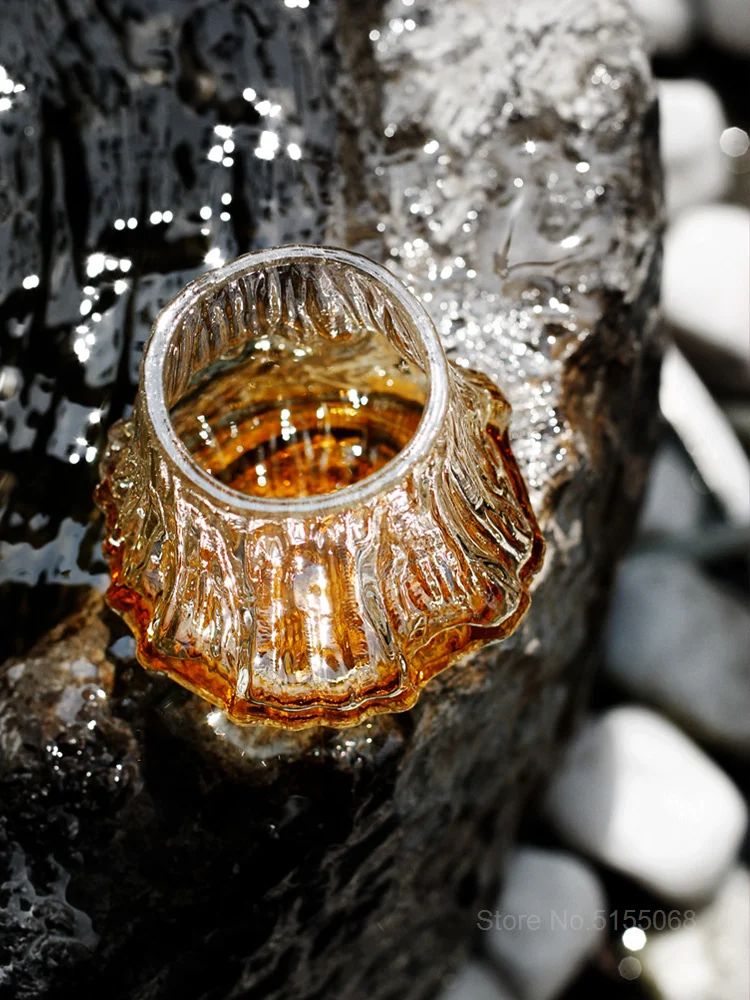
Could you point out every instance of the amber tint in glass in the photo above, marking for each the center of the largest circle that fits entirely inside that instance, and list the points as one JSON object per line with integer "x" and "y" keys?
{"x": 281, "y": 421}
{"x": 311, "y": 512}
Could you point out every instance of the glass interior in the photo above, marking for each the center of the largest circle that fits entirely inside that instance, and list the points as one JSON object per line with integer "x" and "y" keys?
{"x": 292, "y": 417}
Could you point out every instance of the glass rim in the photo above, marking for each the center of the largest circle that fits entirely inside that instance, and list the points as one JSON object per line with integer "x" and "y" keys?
{"x": 384, "y": 479}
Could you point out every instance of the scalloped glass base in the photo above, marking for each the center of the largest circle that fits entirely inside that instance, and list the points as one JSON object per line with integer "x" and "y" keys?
{"x": 311, "y": 513}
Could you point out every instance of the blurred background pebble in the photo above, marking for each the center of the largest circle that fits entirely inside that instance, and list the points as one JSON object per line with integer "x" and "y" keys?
{"x": 632, "y": 878}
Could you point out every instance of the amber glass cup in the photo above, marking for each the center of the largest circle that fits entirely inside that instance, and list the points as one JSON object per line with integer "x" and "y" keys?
{"x": 311, "y": 512}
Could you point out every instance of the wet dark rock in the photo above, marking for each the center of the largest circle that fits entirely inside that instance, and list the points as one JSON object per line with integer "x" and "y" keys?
{"x": 115, "y": 122}
{"x": 504, "y": 159}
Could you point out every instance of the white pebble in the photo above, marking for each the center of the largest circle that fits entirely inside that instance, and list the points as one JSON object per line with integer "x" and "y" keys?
{"x": 667, "y": 24}
{"x": 708, "y": 957}
{"x": 677, "y": 640}
{"x": 692, "y": 122}
{"x": 707, "y": 435}
{"x": 552, "y": 918}
{"x": 671, "y": 502}
{"x": 636, "y": 794}
{"x": 474, "y": 982}
{"x": 728, "y": 23}
{"x": 706, "y": 281}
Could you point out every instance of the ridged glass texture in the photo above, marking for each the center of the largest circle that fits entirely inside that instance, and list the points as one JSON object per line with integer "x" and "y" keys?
{"x": 311, "y": 598}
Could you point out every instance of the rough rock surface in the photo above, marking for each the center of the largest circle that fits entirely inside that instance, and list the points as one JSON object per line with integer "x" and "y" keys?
{"x": 504, "y": 159}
